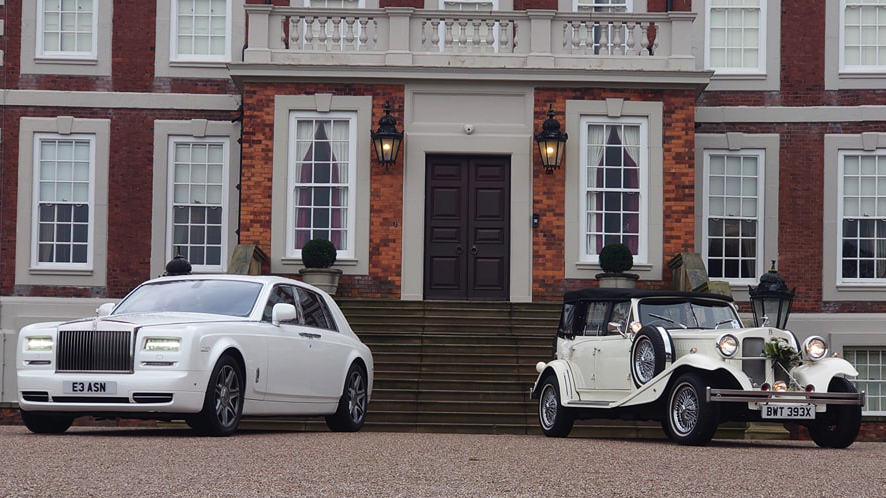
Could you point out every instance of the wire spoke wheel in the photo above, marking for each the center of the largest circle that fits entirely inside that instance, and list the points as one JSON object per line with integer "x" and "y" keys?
{"x": 684, "y": 410}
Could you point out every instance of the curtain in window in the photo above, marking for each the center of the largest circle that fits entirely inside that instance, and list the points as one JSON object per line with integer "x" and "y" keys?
{"x": 616, "y": 200}
{"x": 339, "y": 174}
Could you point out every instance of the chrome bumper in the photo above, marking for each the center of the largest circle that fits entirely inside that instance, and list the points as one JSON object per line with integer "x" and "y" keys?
{"x": 741, "y": 396}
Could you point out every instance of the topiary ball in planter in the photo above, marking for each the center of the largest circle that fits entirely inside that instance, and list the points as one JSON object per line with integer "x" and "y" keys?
{"x": 318, "y": 253}
{"x": 616, "y": 258}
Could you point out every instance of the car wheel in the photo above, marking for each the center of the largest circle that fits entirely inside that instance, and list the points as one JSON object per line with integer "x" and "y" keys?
{"x": 839, "y": 426}
{"x": 555, "y": 419}
{"x": 223, "y": 403}
{"x": 46, "y": 424}
{"x": 351, "y": 412}
{"x": 690, "y": 419}
{"x": 648, "y": 355}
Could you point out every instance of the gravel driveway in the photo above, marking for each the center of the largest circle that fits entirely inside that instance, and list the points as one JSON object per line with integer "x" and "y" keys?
{"x": 117, "y": 462}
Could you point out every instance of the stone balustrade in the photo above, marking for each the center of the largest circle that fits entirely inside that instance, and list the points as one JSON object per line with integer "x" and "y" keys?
{"x": 403, "y": 36}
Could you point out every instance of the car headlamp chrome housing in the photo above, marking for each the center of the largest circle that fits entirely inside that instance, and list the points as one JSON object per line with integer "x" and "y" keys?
{"x": 814, "y": 348}
{"x": 727, "y": 345}
{"x": 38, "y": 343}
{"x": 162, "y": 344}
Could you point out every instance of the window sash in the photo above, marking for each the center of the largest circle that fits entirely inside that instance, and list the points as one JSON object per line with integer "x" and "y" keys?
{"x": 198, "y": 201}
{"x": 733, "y": 207}
{"x": 335, "y": 4}
{"x": 735, "y": 36}
{"x": 871, "y": 365}
{"x": 67, "y": 29}
{"x": 63, "y": 205}
{"x": 613, "y": 197}
{"x": 862, "y": 217}
{"x": 200, "y": 30}
{"x": 863, "y": 35}
{"x": 321, "y": 173}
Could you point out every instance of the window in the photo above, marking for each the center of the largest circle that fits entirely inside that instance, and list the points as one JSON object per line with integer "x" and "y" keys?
{"x": 735, "y": 36}
{"x": 862, "y": 35}
{"x": 613, "y": 176}
{"x": 606, "y": 37}
{"x": 871, "y": 365}
{"x": 321, "y": 173}
{"x": 63, "y": 201}
{"x": 67, "y": 28}
{"x": 595, "y": 318}
{"x": 335, "y": 4}
{"x": 862, "y": 192}
{"x": 198, "y": 177}
{"x": 200, "y": 30}
{"x": 733, "y": 214}
{"x": 279, "y": 294}
{"x": 314, "y": 310}
{"x": 603, "y": 5}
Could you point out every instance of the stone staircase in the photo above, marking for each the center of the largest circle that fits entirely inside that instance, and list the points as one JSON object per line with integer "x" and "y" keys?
{"x": 457, "y": 367}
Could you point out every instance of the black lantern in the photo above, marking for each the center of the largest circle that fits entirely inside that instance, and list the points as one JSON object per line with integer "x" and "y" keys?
{"x": 178, "y": 266}
{"x": 771, "y": 300}
{"x": 386, "y": 138}
{"x": 551, "y": 142}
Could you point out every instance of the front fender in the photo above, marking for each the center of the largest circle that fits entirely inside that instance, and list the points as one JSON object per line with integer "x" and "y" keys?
{"x": 819, "y": 373}
{"x": 560, "y": 369}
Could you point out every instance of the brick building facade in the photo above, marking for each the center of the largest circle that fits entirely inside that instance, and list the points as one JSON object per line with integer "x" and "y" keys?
{"x": 666, "y": 95}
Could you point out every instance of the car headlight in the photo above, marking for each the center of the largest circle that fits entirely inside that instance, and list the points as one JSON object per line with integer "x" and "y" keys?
{"x": 162, "y": 344}
{"x": 815, "y": 348}
{"x": 38, "y": 343}
{"x": 727, "y": 345}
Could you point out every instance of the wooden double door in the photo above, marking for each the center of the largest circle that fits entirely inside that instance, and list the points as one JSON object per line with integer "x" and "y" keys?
{"x": 467, "y": 228}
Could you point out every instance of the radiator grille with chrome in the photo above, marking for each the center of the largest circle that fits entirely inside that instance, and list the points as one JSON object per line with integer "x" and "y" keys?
{"x": 94, "y": 351}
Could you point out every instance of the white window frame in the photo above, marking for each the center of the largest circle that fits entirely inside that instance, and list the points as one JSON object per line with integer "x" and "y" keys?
{"x": 176, "y": 56}
{"x": 761, "y": 44}
{"x": 767, "y": 76}
{"x": 166, "y": 62}
{"x": 653, "y": 112}
{"x": 759, "y": 260}
{"x": 844, "y": 67}
{"x": 841, "y": 165}
{"x": 94, "y": 273}
{"x": 291, "y": 182}
{"x": 284, "y": 106}
{"x": 167, "y": 132}
{"x": 224, "y": 204}
{"x": 578, "y": 6}
{"x": 39, "y": 138}
{"x": 96, "y": 63}
{"x": 360, "y": 4}
{"x": 642, "y": 255}
{"x": 865, "y": 378}
{"x": 66, "y": 54}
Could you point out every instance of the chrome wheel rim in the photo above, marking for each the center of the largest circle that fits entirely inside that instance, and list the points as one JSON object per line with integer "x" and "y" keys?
{"x": 644, "y": 360}
{"x": 227, "y": 396}
{"x": 356, "y": 397}
{"x": 684, "y": 409}
{"x": 548, "y": 406}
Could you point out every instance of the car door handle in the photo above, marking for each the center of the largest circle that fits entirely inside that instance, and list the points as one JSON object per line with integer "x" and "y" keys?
{"x": 310, "y": 335}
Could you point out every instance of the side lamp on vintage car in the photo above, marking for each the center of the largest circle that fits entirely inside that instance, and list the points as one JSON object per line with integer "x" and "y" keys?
{"x": 771, "y": 300}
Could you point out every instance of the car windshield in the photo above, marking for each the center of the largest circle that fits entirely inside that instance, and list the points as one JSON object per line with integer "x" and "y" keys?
{"x": 693, "y": 314}
{"x": 220, "y": 297}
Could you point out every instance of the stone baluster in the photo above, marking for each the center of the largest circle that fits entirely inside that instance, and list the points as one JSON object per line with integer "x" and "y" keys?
{"x": 309, "y": 33}
{"x": 350, "y": 36}
{"x": 504, "y": 39}
{"x": 631, "y": 43}
{"x": 576, "y": 36}
{"x": 435, "y": 35}
{"x": 294, "y": 34}
{"x": 336, "y": 34}
{"x": 644, "y": 38}
{"x": 462, "y": 35}
{"x": 490, "y": 35}
{"x": 322, "y": 39}
{"x": 475, "y": 35}
{"x": 363, "y": 38}
{"x": 448, "y": 39}
{"x": 617, "y": 48}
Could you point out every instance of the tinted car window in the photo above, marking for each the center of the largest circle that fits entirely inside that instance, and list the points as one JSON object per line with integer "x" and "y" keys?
{"x": 314, "y": 310}
{"x": 279, "y": 294}
{"x": 220, "y": 297}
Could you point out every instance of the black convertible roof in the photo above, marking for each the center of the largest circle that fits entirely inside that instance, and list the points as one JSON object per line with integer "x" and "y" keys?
{"x": 606, "y": 294}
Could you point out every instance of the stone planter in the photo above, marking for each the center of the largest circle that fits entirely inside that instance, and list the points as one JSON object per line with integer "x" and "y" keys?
{"x": 323, "y": 278}
{"x": 617, "y": 280}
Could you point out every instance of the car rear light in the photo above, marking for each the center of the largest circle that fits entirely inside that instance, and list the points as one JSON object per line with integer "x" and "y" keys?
{"x": 764, "y": 387}
{"x": 810, "y": 388}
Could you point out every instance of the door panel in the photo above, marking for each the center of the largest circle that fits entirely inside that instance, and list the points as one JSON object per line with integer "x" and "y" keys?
{"x": 467, "y": 223}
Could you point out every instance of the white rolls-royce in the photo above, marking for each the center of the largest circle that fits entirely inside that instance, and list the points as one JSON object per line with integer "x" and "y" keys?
{"x": 686, "y": 360}
{"x": 207, "y": 349}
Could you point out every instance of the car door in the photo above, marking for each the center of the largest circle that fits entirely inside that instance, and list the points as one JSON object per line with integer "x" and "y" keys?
{"x": 612, "y": 366}
{"x": 587, "y": 343}
{"x": 288, "y": 352}
{"x": 328, "y": 351}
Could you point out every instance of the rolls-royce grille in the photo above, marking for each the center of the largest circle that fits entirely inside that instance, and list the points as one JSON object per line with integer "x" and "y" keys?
{"x": 94, "y": 351}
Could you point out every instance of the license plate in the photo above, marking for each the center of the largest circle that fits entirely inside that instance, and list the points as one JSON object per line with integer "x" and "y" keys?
{"x": 89, "y": 387}
{"x": 788, "y": 411}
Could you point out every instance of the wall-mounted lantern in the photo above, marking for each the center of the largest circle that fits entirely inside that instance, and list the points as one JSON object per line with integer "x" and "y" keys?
{"x": 551, "y": 142}
{"x": 386, "y": 139}
{"x": 771, "y": 300}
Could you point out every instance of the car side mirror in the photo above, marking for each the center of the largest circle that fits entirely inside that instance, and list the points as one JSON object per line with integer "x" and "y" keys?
{"x": 283, "y": 312}
{"x": 105, "y": 309}
{"x": 616, "y": 328}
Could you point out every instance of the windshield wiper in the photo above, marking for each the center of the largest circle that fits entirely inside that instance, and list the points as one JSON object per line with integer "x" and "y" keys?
{"x": 653, "y": 315}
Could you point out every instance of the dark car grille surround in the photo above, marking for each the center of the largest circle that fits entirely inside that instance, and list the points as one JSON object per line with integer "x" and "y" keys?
{"x": 94, "y": 351}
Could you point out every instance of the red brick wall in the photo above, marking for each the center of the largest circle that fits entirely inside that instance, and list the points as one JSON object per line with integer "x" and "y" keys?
{"x": 386, "y": 201}
{"x": 678, "y": 188}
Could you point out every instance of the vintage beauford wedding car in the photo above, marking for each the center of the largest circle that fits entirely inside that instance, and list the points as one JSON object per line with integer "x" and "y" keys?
{"x": 685, "y": 359}
{"x": 207, "y": 349}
